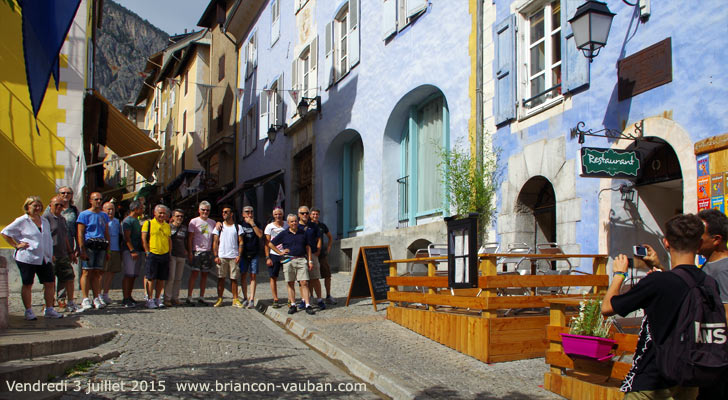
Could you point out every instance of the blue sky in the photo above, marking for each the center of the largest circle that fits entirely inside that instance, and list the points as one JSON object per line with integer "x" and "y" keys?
{"x": 171, "y": 16}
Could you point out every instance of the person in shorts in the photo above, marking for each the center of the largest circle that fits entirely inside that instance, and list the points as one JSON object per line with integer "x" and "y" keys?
{"x": 63, "y": 253}
{"x": 313, "y": 235}
{"x": 199, "y": 238}
{"x": 30, "y": 236}
{"x": 93, "y": 242}
{"x": 323, "y": 253}
{"x": 297, "y": 261}
{"x": 113, "y": 266}
{"x": 227, "y": 245}
{"x": 133, "y": 255}
{"x": 249, "y": 257}
{"x": 272, "y": 260}
{"x": 157, "y": 242}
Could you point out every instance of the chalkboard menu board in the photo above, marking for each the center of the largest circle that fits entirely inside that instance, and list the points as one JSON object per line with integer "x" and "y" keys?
{"x": 370, "y": 274}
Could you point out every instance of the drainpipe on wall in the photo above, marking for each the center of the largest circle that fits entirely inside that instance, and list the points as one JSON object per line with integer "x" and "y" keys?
{"x": 479, "y": 85}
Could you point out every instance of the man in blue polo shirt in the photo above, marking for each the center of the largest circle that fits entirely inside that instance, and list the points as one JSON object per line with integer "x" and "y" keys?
{"x": 297, "y": 260}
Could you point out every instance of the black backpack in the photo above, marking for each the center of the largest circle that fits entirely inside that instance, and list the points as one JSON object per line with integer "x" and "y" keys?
{"x": 696, "y": 352}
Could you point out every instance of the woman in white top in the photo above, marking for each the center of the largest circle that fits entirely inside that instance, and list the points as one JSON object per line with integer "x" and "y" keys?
{"x": 271, "y": 260}
{"x": 30, "y": 235}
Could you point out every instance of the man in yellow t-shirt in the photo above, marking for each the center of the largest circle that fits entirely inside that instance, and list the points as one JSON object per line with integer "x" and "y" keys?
{"x": 157, "y": 241}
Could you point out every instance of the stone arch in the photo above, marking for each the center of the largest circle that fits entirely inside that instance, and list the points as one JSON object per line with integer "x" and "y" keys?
{"x": 545, "y": 158}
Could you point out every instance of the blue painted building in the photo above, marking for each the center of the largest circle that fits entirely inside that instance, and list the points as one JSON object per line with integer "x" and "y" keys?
{"x": 673, "y": 94}
{"x": 345, "y": 105}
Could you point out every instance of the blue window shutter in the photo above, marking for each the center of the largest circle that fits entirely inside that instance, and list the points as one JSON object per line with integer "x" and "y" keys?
{"x": 505, "y": 67}
{"x": 575, "y": 74}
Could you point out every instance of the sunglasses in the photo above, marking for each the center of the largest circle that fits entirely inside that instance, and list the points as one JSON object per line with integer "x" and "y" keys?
{"x": 205, "y": 209}
{"x": 303, "y": 212}
{"x": 65, "y": 193}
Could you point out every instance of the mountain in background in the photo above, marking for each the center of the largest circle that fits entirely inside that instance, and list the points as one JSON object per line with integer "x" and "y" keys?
{"x": 124, "y": 42}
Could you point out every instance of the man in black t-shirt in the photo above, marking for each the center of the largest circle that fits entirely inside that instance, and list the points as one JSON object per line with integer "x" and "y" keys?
{"x": 323, "y": 253}
{"x": 249, "y": 258}
{"x": 660, "y": 294}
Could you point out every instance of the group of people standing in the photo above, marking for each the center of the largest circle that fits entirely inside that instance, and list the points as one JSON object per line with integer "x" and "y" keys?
{"x": 47, "y": 244}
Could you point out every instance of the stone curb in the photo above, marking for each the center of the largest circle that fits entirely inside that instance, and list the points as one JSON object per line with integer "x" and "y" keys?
{"x": 385, "y": 383}
{"x": 41, "y": 368}
{"x": 24, "y": 346}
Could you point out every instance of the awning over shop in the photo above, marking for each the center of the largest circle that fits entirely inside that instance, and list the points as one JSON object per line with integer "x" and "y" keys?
{"x": 251, "y": 183}
{"x": 124, "y": 138}
{"x": 129, "y": 196}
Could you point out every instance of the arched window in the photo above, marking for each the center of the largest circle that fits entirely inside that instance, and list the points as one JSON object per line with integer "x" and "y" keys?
{"x": 352, "y": 186}
{"x": 420, "y": 185}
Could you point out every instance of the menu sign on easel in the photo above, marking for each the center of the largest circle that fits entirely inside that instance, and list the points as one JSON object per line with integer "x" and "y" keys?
{"x": 369, "y": 278}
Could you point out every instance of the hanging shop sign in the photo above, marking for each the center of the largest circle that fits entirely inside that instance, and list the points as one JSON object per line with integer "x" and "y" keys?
{"x": 609, "y": 163}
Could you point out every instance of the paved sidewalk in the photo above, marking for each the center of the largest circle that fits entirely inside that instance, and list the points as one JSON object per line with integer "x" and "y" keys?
{"x": 399, "y": 362}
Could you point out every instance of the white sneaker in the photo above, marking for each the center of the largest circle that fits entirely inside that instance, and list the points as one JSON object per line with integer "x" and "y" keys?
{"x": 159, "y": 303}
{"x": 251, "y": 303}
{"x": 30, "y": 315}
{"x": 98, "y": 303}
{"x": 71, "y": 307}
{"x": 51, "y": 313}
{"x": 151, "y": 304}
{"x": 106, "y": 299}
{"x": 86, "y": 305}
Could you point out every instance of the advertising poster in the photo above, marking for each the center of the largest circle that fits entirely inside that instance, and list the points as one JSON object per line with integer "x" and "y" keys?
{"x": 704, "y": 204}
{"x": 716, "y": 185}
{"x": 704, "y": 187}
{"x": 703, "y": 165}
{"x": 718, "y": 203}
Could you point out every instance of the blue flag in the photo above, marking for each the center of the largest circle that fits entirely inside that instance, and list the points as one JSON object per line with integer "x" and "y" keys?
{"x": 45, "y": 26}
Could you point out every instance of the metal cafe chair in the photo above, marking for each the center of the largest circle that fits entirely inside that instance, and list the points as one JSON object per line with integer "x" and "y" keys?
{"x": 545, "y": 266}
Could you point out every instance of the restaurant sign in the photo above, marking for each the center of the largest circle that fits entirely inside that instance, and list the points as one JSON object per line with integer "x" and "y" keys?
{"x": 609, "y": 163}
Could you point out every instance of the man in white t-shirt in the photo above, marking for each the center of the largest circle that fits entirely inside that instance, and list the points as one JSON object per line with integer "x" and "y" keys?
{"x": 227, "y": 246}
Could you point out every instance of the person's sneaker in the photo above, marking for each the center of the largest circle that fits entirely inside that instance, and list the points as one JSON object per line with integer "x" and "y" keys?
{"x": 301, "y": 305}
{"x": 167, "y": 303}
{"x": 127, "y": 303}
{"x": 218, "y": 303}
{"x": 202, "y": 303}
{"x": 101, "y": 299}
{"x": 151, "y": 304}
{"x": 251, "y": 303}
{"x": 189, "y": 303}
{"x": 176, "y": 302}
{"x": 276, "y": 304}
{"x": 71, "y": 307}
{"x": 330, "y": 300}
{"x": 132, "y": 301}
{"x": 86, "y": 305}
{"x": 310, "y": 311}
{"x": 159, "y": 303}
{"x": 321, "y": 305}
{"x": 237, "y": 303}
{"x": 99, "y": 304}
{"x": 51, "y": 313}
{"x": 30, "y": 315}
{"x": 292, "y": 309}
{"x": 105, "y": 298}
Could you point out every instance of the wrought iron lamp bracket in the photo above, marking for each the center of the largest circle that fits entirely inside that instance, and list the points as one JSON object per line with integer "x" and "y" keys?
{"x": 578, "y": 131}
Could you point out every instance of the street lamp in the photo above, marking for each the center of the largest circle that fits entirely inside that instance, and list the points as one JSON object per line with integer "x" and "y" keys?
{"x": 626, "y": 193}
{"x": 273, "y": 129}
{"x": 591, "y": 24}
{"x": 305, "y": 103}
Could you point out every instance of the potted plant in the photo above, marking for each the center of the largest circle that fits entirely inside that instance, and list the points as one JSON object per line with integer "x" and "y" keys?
{"x": 588, "y": 333}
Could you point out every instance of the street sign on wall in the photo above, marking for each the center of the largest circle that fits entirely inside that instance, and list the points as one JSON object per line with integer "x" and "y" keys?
{"x": 609, "y": 163}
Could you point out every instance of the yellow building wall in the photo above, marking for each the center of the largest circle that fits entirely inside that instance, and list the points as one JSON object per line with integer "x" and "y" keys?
{"x": 27, "y": 160}
{"x": 187, "y": 102}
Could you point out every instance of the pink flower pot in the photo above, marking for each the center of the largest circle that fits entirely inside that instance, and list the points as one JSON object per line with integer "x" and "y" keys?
{"x": 587, "y": 346}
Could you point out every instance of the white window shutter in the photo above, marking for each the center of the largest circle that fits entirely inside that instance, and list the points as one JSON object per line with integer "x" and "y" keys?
{"x": 329, "y": 60}
{"x": 254, "y": 43}
{"x": 279, "y": 101}
{"x": 415, "y": 7}
{"x": 263, "y": 104}
{"x": 275, "y": 27}
{"x": 295, "y": 95}
{"x": 389, "y": 18}
{"x": 245, "y": 60}
{"x": 313, "y": 73}
{"x": 353, "y": 38}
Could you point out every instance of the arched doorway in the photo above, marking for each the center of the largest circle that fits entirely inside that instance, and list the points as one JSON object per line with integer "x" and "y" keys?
{"x": 536, "y": 209}
{"x": 660, "y": 186}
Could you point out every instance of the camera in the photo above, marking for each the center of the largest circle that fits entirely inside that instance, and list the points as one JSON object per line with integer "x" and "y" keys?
{"x": 640, "y": 251}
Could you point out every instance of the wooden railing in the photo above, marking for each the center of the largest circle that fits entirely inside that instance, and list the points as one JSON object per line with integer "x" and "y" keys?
{"x": 487, "y": 298}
